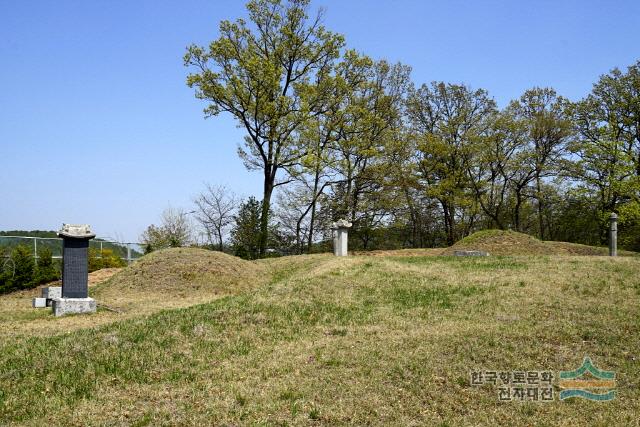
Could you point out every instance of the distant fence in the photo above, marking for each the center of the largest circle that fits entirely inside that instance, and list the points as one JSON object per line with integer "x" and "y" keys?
{"x": 127, "y": 251}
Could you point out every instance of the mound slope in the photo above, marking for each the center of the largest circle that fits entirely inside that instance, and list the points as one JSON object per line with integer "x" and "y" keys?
{"x": 501, "y": 242}
{"x": 177, "y": 277}
{"x": 178, "y": 269}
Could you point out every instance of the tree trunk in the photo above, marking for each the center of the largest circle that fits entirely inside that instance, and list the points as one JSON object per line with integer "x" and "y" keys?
{"x": 540, "y": 208}
{"x": 448, "y": 222}
{"x": 269, "y": 178}
{"x": 316, "y": 181}
{"x": 220, "y": 247}
{"x": 516, "y": 213}
{"x": 299, "y": 248}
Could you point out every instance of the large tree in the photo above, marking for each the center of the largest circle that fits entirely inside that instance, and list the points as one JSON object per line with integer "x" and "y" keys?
{"x": 544, "y": 116}
{"x": 449, "y": 120}
{"x": 608, "y": 145}
{"x": 495, "y": 166}
{"x": 273, "y": 77}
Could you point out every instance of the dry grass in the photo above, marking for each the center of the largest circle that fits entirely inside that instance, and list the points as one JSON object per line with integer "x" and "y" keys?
{"x": 386, "y": 340}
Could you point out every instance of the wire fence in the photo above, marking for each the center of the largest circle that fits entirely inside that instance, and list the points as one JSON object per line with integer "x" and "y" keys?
{"x": 127, "y": 251}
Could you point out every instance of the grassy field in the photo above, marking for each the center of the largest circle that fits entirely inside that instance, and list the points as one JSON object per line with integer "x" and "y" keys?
{"x": 384, "y": 340}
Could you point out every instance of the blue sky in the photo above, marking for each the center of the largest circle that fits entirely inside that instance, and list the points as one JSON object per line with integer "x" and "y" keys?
{"x": 97, "y": 125}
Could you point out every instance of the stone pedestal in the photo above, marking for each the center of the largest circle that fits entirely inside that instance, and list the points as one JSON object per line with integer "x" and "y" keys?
{"x": 50, "y": 293}
{"x": 62, "y": 306}
{"x": 613, "y": 235}
{"x": 340, "y": 237}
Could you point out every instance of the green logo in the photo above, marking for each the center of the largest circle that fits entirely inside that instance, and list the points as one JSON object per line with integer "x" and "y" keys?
{"x": 575, "y": 386}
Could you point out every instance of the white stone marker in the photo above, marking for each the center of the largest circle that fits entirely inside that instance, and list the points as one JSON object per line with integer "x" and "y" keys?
{"x": 613, "y": 235}
{"x": 39, "y": 302}
{"x": 340, "y": 237}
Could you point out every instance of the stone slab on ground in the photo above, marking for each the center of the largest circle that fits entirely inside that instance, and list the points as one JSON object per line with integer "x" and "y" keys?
{"x": 62, "y": 306}
{"x": 39, "y": 302}
{"x": 470, "y": 253}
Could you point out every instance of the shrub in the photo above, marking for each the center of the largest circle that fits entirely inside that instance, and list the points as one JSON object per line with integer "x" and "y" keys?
{"x": 6, "y": 271}
{"x": 46, "y": 270}
{"x": 104, "y": 259}
{"x": 24, "y": 275}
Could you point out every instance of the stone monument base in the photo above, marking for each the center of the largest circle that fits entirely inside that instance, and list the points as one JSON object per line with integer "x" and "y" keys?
{"x": 51, "y": 293}
{"x": 62, "y": 306}
{"x": 470, "y": 253}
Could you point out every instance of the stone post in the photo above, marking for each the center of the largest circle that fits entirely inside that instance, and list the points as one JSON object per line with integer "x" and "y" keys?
{"x": 613, "y": 235}
{"x": 340, "y": 237}
{"x": 75, "y": 271}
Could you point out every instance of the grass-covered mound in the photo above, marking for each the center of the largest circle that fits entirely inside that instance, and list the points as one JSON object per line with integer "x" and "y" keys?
{"x": 502, "y": 242}
{"x": 171, "y": 277}
{"x": 178, "y": 269}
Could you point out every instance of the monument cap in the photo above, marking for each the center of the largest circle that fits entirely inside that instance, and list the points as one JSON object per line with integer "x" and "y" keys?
{"x": 81, "y": 231}
{"x": 341, "y": 223}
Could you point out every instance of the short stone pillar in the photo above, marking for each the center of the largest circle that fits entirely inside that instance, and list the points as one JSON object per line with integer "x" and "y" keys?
{"x": 75, "y": 271}
{"x": 340, "y": 237}
{"x": 613, "y": 235}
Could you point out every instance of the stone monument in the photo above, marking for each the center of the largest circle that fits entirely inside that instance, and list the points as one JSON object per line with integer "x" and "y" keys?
{"x": 75, "y": 271}
{"x": 613, "y": 235}
{"x": 340, "y": 237}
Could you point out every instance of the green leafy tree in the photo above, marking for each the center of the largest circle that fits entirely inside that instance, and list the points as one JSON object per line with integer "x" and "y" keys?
{"x": 271, "y": 78}
{"x": 372, "y": 123}
{"x": 245, "y": 234}
{"x": 543, "y": 115}
{"x": 449, "y": 120}
{"x": 494, "y": 168}
{"x": 608, "y": 147}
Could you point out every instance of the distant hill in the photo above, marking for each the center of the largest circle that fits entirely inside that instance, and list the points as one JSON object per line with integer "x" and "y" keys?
{"x": 32, "y": 233}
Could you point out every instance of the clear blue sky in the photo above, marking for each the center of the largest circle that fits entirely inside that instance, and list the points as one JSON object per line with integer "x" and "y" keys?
{"x": 97, "y": 125}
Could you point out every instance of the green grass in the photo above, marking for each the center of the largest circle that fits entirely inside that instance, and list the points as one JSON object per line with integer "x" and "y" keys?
{"x": 384, "y": 341}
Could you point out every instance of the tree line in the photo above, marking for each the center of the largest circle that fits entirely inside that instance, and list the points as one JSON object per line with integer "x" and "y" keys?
{"x": 341, "y": 135}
